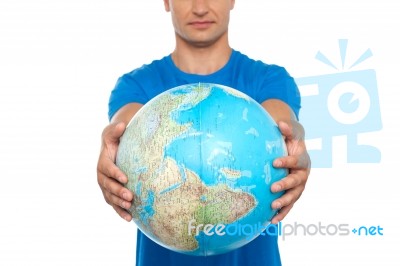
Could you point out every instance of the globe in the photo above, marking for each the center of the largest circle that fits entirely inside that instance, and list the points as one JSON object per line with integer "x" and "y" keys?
{"x": 199, "y": 159}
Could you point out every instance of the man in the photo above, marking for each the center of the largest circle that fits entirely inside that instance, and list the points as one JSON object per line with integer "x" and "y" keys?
{"x": 203, "y": 54}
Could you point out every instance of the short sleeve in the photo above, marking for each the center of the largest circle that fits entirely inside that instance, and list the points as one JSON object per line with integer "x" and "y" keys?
{"x": 126, "y": 90}
{"x": 278, "y": 84}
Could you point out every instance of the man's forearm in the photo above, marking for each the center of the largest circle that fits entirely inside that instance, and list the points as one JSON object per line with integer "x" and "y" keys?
{"x": 279, "y": 110}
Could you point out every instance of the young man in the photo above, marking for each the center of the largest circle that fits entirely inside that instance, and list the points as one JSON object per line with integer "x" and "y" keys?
{"x": 203, "y": 54}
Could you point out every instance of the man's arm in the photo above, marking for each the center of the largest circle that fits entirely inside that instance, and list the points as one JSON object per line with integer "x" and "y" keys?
{"x": 109, "y": 177}
{"x": 298, "y": 161}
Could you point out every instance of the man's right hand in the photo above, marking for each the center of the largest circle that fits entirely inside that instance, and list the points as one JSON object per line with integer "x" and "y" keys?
{"x": 109, "y": 176}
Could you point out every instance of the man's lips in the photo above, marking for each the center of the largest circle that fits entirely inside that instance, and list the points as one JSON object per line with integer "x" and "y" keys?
{"x": 201, "y": 24}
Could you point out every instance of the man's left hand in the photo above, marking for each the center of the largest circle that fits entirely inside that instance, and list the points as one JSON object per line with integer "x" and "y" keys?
{"x": 298, "y": 163}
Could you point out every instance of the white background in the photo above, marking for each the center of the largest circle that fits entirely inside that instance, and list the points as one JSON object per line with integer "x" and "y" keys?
{"x": 59, "y": 61}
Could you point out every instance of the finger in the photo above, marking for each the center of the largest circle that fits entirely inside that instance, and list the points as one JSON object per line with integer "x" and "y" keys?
{"x": 108, "y": 168}
{"x": 122, "y": 213}
{"x": 290, "y": 181}
{"x": 288, "y": 198}
{"x": 281, "y": 214}
{"x": 115, "y": 188}
{"x": 301, "y": 161}
{"x": 115, "y": 200}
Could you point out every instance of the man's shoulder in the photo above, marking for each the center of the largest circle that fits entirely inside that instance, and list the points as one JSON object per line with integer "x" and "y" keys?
{"x": 146, "y": 70}
{"x": 256, "y": 65}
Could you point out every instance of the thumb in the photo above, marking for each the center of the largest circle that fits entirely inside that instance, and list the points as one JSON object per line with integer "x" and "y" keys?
{"x": 285, "y": 130}
{"x": 113, "y": 132}
{"x": 292, "y": 131}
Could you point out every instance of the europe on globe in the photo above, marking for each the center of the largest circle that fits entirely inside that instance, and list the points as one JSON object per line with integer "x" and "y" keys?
{"x": 199, "y": 159}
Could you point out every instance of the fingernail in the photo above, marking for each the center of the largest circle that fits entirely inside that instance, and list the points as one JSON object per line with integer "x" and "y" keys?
{"x": 277, "y": 188}
{"x": 127, "y": 218}
{"x": 125, "y": 196}
{"x": 278, "y": 163}
{"x": 278, "y": 205}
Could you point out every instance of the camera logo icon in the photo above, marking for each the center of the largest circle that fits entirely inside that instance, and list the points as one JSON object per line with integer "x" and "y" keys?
{"x": 340, "y": 104}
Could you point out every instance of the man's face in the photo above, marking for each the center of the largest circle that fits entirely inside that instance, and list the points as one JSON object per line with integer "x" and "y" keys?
{"x": 200, "y": 22}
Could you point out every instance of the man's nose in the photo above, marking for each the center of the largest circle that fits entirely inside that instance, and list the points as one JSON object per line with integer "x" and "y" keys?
{"x": 200, "y": 7}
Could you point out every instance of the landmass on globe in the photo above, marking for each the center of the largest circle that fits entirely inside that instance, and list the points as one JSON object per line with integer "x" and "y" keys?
{"x": 169, "y": 192}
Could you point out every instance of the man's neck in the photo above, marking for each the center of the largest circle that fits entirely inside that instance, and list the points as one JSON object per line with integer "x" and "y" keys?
{"x": 201, "y": 60}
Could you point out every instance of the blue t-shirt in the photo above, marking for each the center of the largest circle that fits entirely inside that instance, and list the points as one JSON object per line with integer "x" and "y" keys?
{"x": 254, "y": 78}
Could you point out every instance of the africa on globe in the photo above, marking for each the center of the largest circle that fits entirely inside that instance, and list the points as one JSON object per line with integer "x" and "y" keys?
{"x": 199, "y": 159}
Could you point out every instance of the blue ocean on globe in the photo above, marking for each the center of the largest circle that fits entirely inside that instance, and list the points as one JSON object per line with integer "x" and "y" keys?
{"x": 199, "y": 161}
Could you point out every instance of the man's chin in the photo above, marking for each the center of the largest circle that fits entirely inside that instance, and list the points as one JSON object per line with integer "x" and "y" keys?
{"x": 203, "y": 42}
